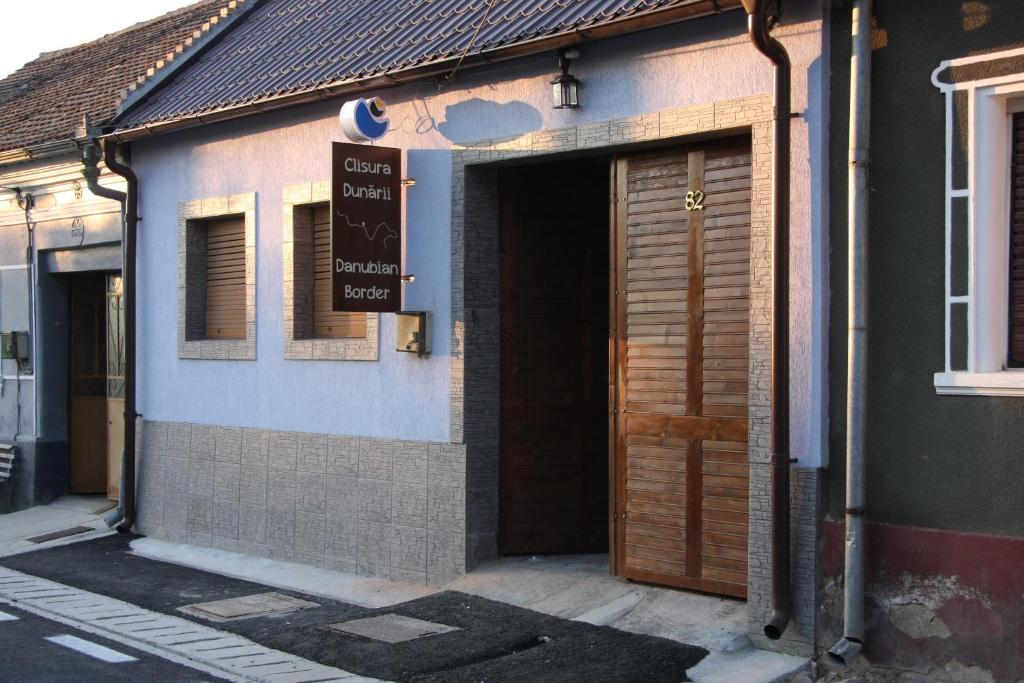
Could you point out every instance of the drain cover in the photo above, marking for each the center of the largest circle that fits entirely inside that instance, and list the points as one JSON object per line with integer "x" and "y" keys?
{"x": 391, "y": 628}
{"x": 247, "y": 606}
{"x": 63, "y": 533}
{"x": 106, "y": 507}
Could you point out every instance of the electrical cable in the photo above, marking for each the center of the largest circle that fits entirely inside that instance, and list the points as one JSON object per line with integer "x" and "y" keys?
{"x": 424, "y": 122}
{"x": 25, "y": 201}
{"x": 17, "y": 401}
{"x": 448, "y": 78}
{"x": 3, "y": 382}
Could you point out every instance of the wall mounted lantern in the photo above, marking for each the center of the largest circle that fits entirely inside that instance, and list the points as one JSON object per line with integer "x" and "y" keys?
{"x": 565, "y": 89}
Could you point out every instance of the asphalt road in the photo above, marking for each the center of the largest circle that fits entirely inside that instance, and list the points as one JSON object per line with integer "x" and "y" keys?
{"x": 36, "y": 649}
{"x": 491, "y": 641}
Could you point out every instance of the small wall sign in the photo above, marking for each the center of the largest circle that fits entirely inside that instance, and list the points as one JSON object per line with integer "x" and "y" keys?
{"x": 366, "y": 228}
{"x": 78, "y": 230}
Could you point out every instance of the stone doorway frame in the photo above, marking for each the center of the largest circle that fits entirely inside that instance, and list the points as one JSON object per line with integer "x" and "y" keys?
{"x": 474, "y": 398}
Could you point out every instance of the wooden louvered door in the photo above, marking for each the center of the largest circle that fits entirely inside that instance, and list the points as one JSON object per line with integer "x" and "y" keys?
{"x": 681, "y": 319}
{"x": 225, "y": 278}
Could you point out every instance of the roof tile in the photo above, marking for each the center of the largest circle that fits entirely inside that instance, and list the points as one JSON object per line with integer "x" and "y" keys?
{"x": 293, "y": 46}
{"x": 44, "y": 100}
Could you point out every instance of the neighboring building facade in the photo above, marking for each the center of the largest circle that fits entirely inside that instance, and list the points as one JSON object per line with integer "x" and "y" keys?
{"x": 945, "y": 421}
{"x": 61, "y": 406}
{"x": 276, "y": 429}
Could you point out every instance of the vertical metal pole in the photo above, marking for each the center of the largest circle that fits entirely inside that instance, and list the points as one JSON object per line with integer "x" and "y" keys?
{"x": 857, "y": 341}
{"x": 847, "y": 649}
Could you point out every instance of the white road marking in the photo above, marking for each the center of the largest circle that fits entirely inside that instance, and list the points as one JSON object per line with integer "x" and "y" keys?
{"x": 94, "y": 650}
{"x": 184, "y": 642}
{"x": 4, "y": 616}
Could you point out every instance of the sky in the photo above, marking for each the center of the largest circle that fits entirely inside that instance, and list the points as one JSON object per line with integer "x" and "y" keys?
{"x": 29, "y": 28}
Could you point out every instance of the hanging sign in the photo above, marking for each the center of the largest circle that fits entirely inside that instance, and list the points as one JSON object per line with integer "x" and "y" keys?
{"x": 366, "y": 228}
{"x": 363, "y": 119}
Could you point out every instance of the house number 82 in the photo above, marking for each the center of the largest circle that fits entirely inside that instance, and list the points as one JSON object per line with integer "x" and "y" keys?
{"x": 694, "y": 200}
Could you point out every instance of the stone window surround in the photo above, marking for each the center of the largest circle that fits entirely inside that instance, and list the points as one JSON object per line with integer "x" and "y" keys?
{"x": 352, "y": 348}
{"x": 214, "y": 207}
{"x": 472, "y": 190}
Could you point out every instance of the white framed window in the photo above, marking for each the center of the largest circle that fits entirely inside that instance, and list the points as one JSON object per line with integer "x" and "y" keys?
{"x": 984, "y": 95}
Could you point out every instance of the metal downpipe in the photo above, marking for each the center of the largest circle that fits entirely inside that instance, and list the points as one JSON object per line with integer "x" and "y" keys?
{"x": 847, "y": 649}
{"x": 757, "y": 22}
{"x": 130, "y": 204}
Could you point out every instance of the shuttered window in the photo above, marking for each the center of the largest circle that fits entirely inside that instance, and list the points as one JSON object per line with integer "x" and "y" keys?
{"x": 328, "y": 324}
{"x": 217, "y": 278}
{"x": 225, "y": 278}
{"x": 1016, "y": 351}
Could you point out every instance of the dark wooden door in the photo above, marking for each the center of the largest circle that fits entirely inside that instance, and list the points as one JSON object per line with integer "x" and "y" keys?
{"x": 681, "y": 318}
{"x": 87, "y": 384}
{"x": 554, "y": 358}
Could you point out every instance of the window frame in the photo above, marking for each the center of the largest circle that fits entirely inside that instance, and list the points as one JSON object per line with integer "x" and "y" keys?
{"x": 298, "y": 197}
{"x": 203, "y": 210}
{"x": 1014, "y": 109}
{"x": 990, "y": 104}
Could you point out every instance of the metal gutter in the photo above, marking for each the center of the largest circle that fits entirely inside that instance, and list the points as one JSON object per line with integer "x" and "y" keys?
{"x": 130, "y": 201}
{"x": 652, "y": 19}
{"x": 757, "y": 19}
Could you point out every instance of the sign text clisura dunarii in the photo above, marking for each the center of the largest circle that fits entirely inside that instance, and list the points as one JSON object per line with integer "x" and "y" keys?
{"x": 366, "y": 228}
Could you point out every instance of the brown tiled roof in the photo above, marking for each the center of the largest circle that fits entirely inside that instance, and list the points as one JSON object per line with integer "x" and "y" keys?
{"x": 44, "y": 100}
{"x": 285, "y": 48}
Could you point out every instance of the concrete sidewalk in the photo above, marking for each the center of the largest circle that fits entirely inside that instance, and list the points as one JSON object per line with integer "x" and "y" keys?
{"x": 62, "y": 514}
{"x": 579, "y": 587}
{"x": 573, "y": 588}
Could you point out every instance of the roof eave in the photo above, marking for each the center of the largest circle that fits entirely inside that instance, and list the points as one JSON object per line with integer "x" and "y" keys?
{"x": 183, "y": 55}
{"x": 639, "y": 22}
{"x": 42, "y": 150}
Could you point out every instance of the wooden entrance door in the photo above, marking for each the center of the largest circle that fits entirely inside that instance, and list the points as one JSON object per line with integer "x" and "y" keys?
{"x": 681, "y": 318}
{"x": 96, "y": 383}
{"x": 554, "y": 358}
{"x": 87, "y": 384}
